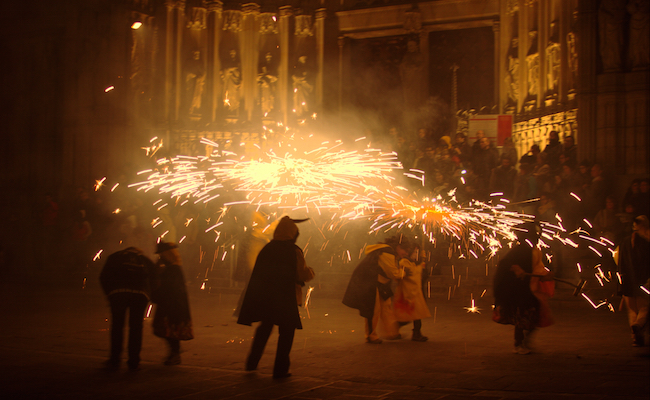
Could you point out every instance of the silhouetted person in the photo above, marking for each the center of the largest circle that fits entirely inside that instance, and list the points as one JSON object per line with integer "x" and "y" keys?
{"x": 125, "y": 280}
{"x": 172, "y": 320}
{"x": 273, "y": 295}
{"x": 634, "y": 268}
{"x": 519, "y": 296}
{"x": 553, "y": 150}
{"x": 502, "y": 178}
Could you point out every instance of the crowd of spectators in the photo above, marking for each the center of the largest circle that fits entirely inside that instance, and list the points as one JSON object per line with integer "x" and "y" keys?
{"x": 542, "y": 182}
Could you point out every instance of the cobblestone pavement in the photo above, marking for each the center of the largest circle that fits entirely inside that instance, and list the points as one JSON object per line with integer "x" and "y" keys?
{"x": 55, "y": 338}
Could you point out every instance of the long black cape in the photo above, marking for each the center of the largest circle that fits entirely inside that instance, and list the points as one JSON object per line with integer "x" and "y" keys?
{"x": 271, "y": 292}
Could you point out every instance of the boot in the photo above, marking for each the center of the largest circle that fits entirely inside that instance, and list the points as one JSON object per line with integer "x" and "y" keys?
{"x": 418, "y": 337}
{"x": 173, "y": 359}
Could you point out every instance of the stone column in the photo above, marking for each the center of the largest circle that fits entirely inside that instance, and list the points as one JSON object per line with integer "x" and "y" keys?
{"x": 587, "y": 32}
{"x": 178, "y": 57}
{"x": 249, "y": 56}
{"x": 424, "y": 50}
{"x": 319, "y": 29}
{"x": 169, "y": 50}
{"x": 215, "y": 9}
{"x": 522, "y": 49}
{"x": 496, "y": 26}
{"x": 341, "y": 43}
{"x": 283, "y": 70}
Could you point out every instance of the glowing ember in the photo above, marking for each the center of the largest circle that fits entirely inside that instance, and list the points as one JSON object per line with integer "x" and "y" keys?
{"x": 473, "y": 308}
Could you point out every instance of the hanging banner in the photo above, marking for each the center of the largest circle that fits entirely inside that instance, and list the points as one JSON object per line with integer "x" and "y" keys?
{"x": 495, "y": 127}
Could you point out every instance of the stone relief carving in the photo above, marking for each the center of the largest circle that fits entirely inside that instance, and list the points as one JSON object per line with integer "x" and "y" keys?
{"x": 304, "y": 25}
{"x": 268, "y": 23}
{"x": 553, "y": 60}
{"x": 231, "y": 76}
{"x": 413, "y": 20}
{"x": 572, "y": 57}
{"x": 232, "y": 20}
{"x": 532, "y": 64}
{"x": 267, "y": 81}
{"x": 512, "y": 78}
{"x": 198, "y": 19}
{"x": 411, "y": 69}
{"x": 611, "y": 17}
{"x": 194, "y": 83}
{"x": 639, "y": 49}
{"x": 302, "y": 86}
{"x": 512, "y": 7}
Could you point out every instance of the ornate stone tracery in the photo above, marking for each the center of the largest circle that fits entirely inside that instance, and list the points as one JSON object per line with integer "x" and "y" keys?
{"x": 232, "y": 21}
{"x": 304, "y": 26}
{"x": 268, "y": 23}
{"x": 197, "y": 19}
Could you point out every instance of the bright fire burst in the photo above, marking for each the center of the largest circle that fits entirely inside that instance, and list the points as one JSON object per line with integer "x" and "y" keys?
{"x": 326, "y": 177}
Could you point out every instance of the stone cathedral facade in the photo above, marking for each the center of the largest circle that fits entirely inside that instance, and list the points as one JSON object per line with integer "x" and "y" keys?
{"x": 104, "y": 77}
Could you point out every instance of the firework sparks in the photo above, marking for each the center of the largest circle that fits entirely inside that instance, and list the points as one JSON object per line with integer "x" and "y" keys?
{"x": 327, "y": 179}
{"x": 473, "y": 308}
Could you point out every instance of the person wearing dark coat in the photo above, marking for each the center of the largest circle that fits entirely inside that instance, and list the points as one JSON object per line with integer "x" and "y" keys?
{"x": 553, "y": 150}
{"x": 126, "y": 282}
{"x": 520, "y": 298}
{"x": 369, "y": 289}
{"x": 484, "y": 160}
{"x": 634, "y": 269}
{"x": 273, "y": 295}
{"x": 172, "y": 320}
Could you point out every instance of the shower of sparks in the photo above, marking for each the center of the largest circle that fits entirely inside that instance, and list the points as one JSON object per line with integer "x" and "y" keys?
{"x": 479, "y": 224}
{"x": 473, "y": 308}
{"x": 326, "y": 177}
{"x": 339, "y": 185}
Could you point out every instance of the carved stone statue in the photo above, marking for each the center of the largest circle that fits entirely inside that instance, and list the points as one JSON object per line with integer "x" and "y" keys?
{"x": 266, "y": 80}
{"x": 302, "y": 87}
{"x": 553, "y": 59}
{"x": 639, "y": 50}
{"x": 532, "y": 65}
{"x": 194, "y": 82}
{"x": 512, "y": 78}
{"x": 411, "y": 69}
{"x": 231, "y": 76}
{"x": 572, "y": 52}
{"x": 532, "y": 62}
{"x": 611, "y": 17}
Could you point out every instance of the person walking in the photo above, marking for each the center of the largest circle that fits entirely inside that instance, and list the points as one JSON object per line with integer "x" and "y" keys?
{"x": 633, "y": 259}
{"x": 273, "y": 295}
{"x": 409, "y": 302}
{"x": 126, "y": 282}
{"x": 172, "y": 320}
{"x": 522, "y": 286}
{"x": 369, "y": 289}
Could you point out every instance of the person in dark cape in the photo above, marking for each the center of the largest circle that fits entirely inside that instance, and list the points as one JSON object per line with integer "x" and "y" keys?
{"x": 273, "y": 295}
{"x": 633, "y": 258}
{"x": 172, "y": 320}
{"x": 522, "y": 286}
{"x": 369, "y": 289}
